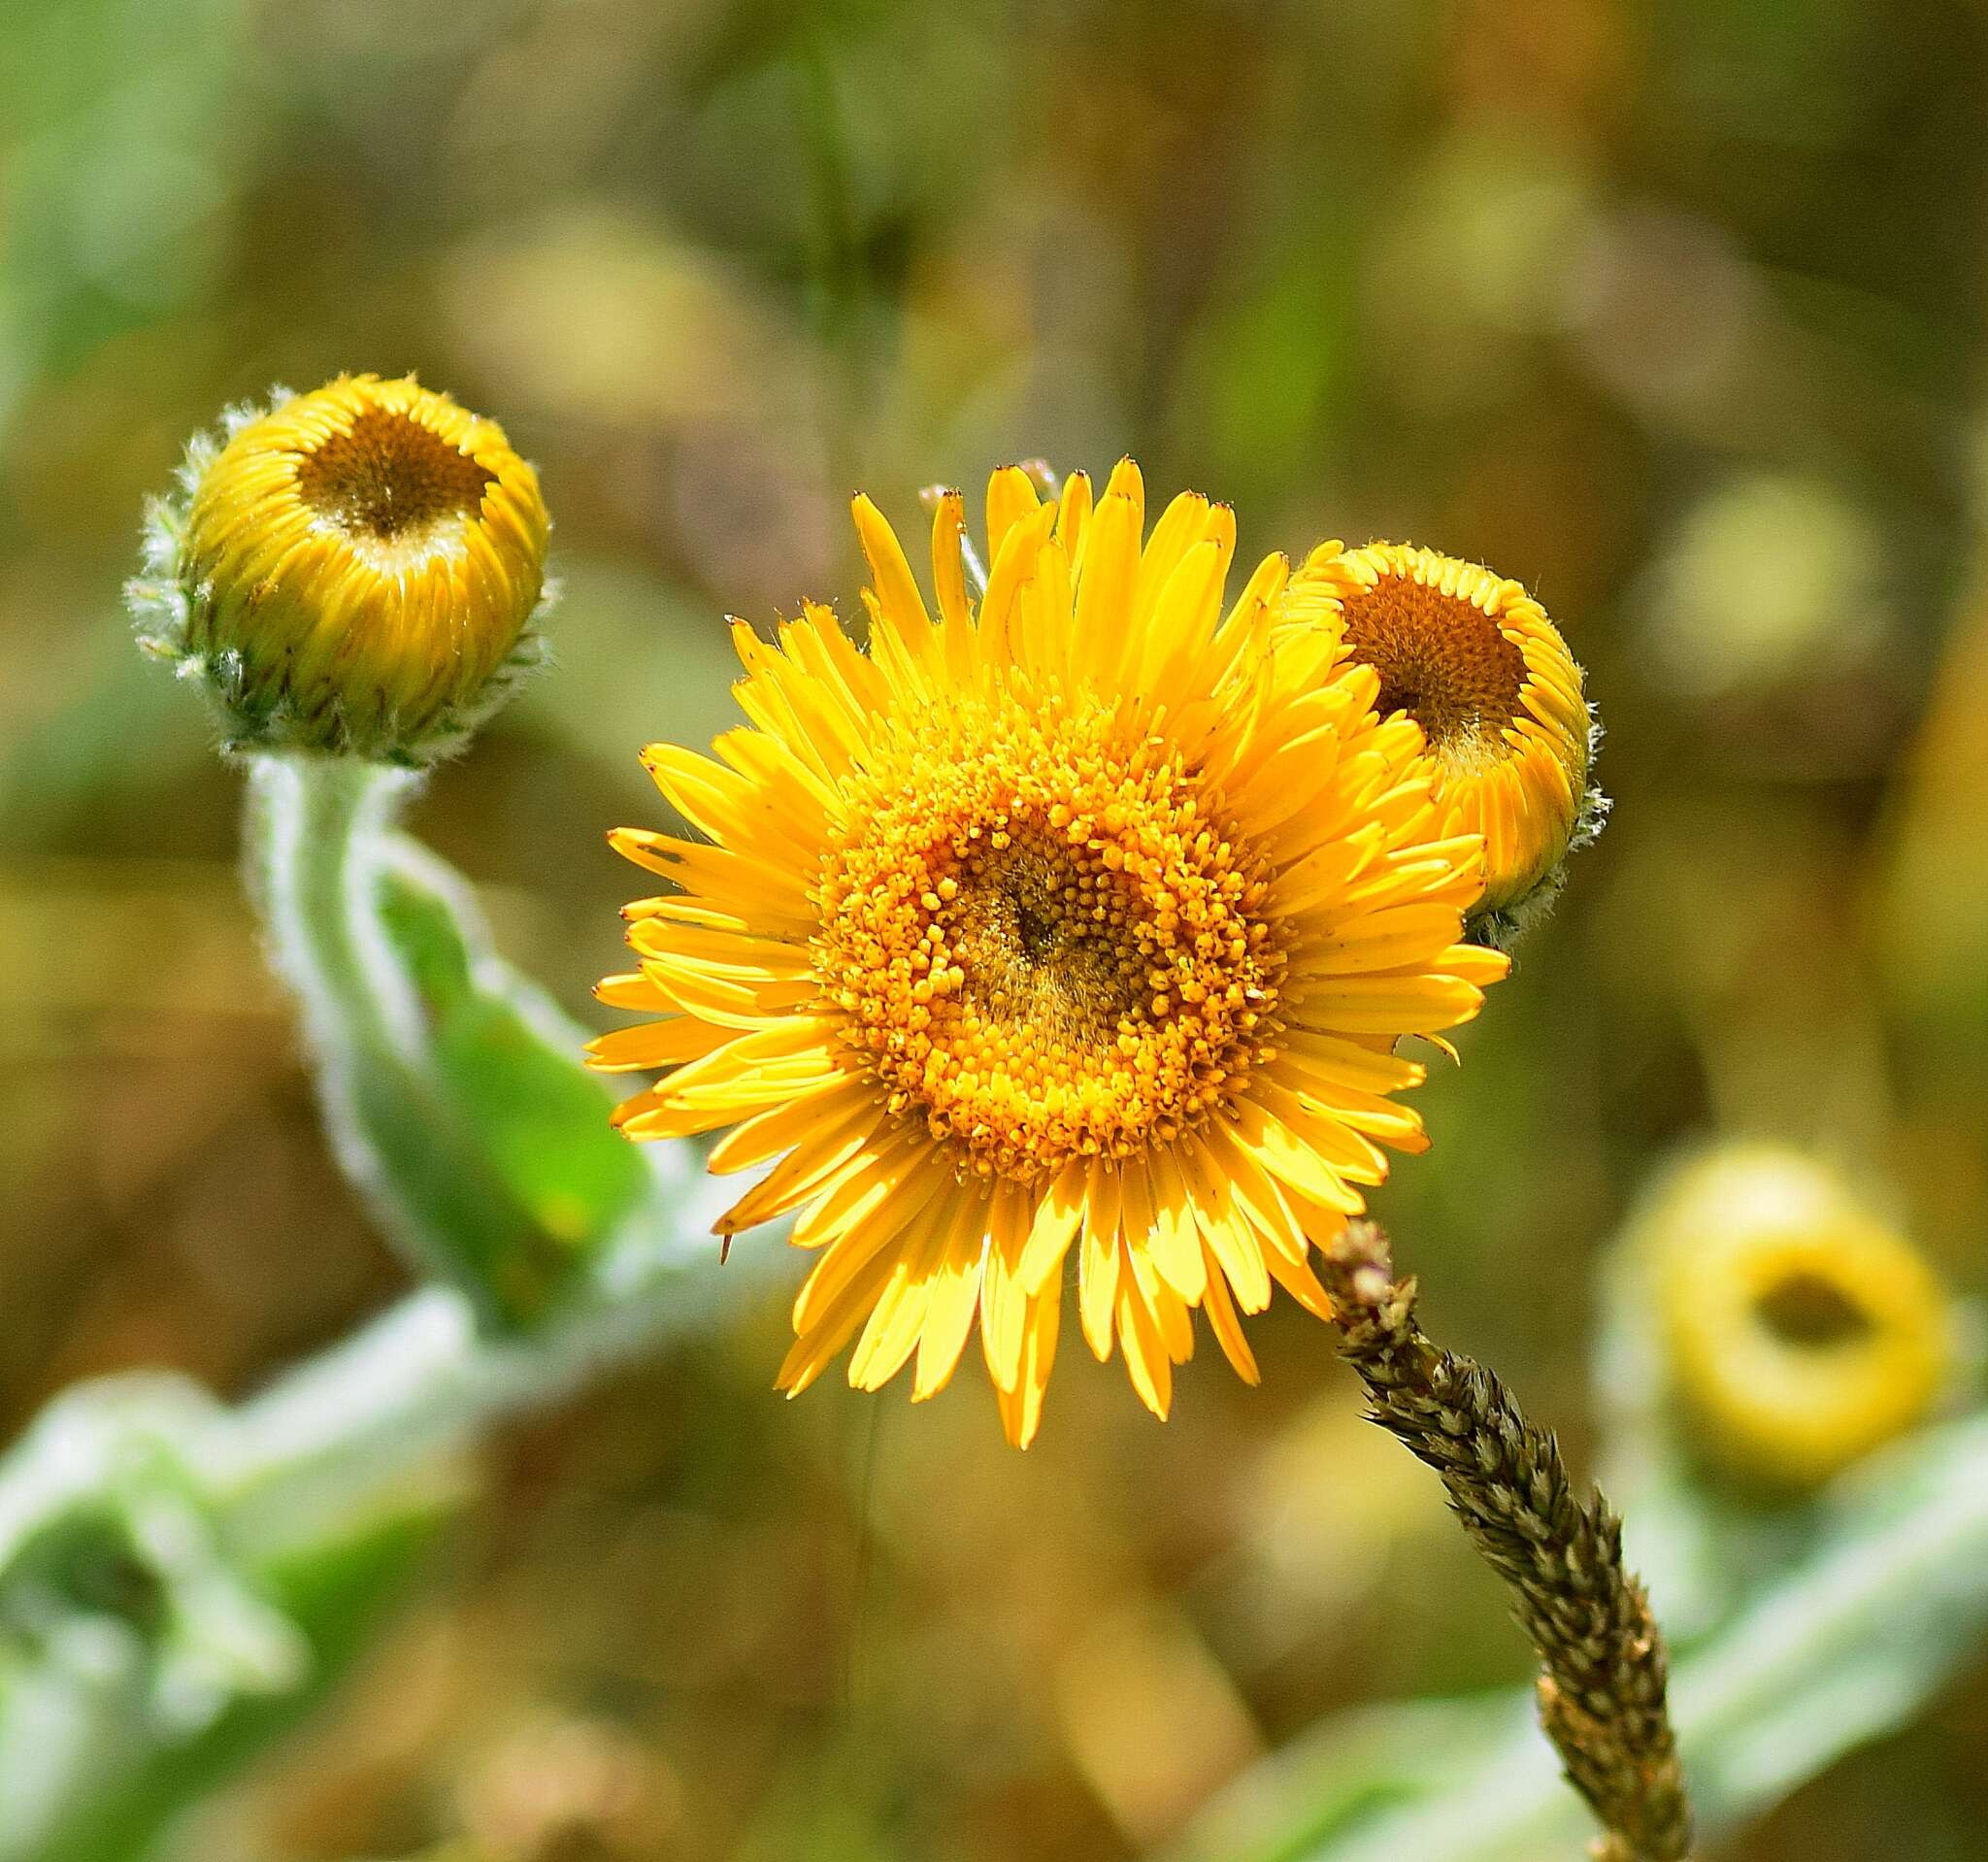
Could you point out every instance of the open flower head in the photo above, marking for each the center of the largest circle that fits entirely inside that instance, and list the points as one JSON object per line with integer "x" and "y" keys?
{"x": 1474, "y": 661}
{"x": 352, "y": 570}
{"x": 1799, "y": 1331}
{"x": 1079, "y": 922}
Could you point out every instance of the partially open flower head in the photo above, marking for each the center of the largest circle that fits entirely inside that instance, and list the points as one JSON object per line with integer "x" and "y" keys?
{"x": 1076, "y": 923}
{"x": 1474, "y": 660}
{"x": 353, "y": 571}
{"x": 1799, "y": 1330}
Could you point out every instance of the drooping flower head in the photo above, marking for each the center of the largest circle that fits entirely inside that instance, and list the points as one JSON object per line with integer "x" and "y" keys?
{"x": 1799, "y": 1330}
{"x": 1474, "y": 661}
{"x": 352, "y": 570}
{"x": 1083, "y": 921}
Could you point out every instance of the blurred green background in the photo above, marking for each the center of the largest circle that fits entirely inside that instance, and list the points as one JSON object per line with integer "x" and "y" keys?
{"x": 1673, "y": 311}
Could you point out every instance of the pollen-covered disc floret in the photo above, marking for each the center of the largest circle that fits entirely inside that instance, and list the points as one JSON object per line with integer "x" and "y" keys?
{"x": 1044, "y": 939}
{"x": 352, "y": 570}
{"x": 1079, "y": 922}
{"x": 1474, "y": 661}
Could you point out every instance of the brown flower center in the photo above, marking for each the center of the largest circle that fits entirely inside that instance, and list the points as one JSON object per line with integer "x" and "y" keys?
{"x": 1806, "y": 1311}
{"x": 1441, "y": 659}
{"x": 387, "y": 479}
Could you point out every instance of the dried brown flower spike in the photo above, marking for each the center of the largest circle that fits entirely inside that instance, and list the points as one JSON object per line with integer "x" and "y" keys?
{"x": 1602, "y": 1698}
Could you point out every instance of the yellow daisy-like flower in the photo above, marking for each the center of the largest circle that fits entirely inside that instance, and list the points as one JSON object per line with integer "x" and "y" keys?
{"x": 1474, "y": 660}
{"x": 354, "y": 569}
{"x": 1799, "y": 1331}
{"x": 1083, "y": 921}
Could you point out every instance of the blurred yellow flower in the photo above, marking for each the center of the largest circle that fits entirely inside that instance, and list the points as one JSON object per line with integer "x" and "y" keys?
{"x": 1474, "y": 661}
{"x": 1079, "y": 922}
{"x": 1799, "y": 1331}
{"x": 355, "y": 568}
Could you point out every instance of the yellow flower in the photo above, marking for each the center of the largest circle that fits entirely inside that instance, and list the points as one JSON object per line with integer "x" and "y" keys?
{"x": 353, "y": 570}
{"x": 1082, "y": 922}
{"x": 1799, "y": 1331}
{"x": 1474, "y": 660}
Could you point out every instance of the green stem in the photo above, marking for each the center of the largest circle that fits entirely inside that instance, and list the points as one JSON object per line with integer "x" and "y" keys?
{"x": 318, "y": 836}
{"x": 429, "y": 1375}
{"x": 423, "y": 1380}
{"x": 307, "y": 821}
{"x": 244, "y": 1533}
{"x": 455, "y": 1098}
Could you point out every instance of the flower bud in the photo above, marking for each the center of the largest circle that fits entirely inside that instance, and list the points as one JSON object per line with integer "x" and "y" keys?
{"x": 1798, "y": 1330}
{"x": 354, "y": 570}
{"x": 1506, "y": 733}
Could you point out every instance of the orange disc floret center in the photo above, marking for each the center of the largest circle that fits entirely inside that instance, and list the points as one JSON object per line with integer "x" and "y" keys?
{"x": 387, "y": 479}
{"x": 1441, "y": 659}
{"x": 1041, "y": 939}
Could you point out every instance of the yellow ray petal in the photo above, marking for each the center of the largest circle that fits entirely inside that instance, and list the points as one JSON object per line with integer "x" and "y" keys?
{"x": 900, "y": 1171}
{"x": 834, "y": 1148}
{"x": 948, "y": 562}
{"x": 1011, "y": 497}
{"x": 891, "y": 575}
{"x": 1177, "y": 531}
{"x": 1228, "y": 1327}
{"x": 1055, "y": 1226}
{"x": 1344, "y": 1061}
{"x": 654, "y": 1044}
{"x": 1414, "y": 1005}
{"x": 1096, "y": 1276}
{"x": 1168, "y": 1308}
{"x": 1074, "y": 511}
{"x": 847, "y": 1257}
{"x": 1255, "y": 1193}
{"x": 1298, "y": 1280}
{"x": 955, "y": 1293}
{"x": 816, "y": 1350}
{"x": 1104, "y": 587}
{"x": 891, "y": 1334}
{"x": 1183, "y": 614}
{"x": 1021, "y": 1408}
{"x": 783, "y": 1128}
{"x": 1017, "y": 567}
{"x": 1145, "y": 1352}
{"x": 1172, "y": 1235}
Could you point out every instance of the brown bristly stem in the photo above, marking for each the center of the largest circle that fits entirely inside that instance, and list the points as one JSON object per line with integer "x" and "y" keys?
{"x": 1602, "y": 1694}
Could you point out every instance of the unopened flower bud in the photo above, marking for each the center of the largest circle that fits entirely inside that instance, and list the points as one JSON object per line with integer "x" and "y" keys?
{"x": 1798, "y": 1330}
{"x": 1476, "y": 662}
{"x": 354, "y": 570}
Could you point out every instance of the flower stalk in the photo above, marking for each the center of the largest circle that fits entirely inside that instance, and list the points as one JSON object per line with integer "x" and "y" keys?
{"x": 318, "y": 829}
{"x": 177, "y": 1577}
{"x": 450, "y": 1083}
{"x": 1603, "y": 1693}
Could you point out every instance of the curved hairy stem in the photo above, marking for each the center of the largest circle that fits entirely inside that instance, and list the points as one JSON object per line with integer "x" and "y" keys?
{"x": 323, "y": 865}
{"x": 316, "y": 831}
{"x": 177, "y": 1577}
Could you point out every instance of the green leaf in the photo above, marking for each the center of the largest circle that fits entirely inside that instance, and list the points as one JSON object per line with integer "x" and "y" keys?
{"x": 336, "y": 1596}
{"x": 1358, "y": 1771}
{"x": 508, "y": 1063}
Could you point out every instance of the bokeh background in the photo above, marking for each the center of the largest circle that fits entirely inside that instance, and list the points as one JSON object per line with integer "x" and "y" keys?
{"x": 1674, "y": 311}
